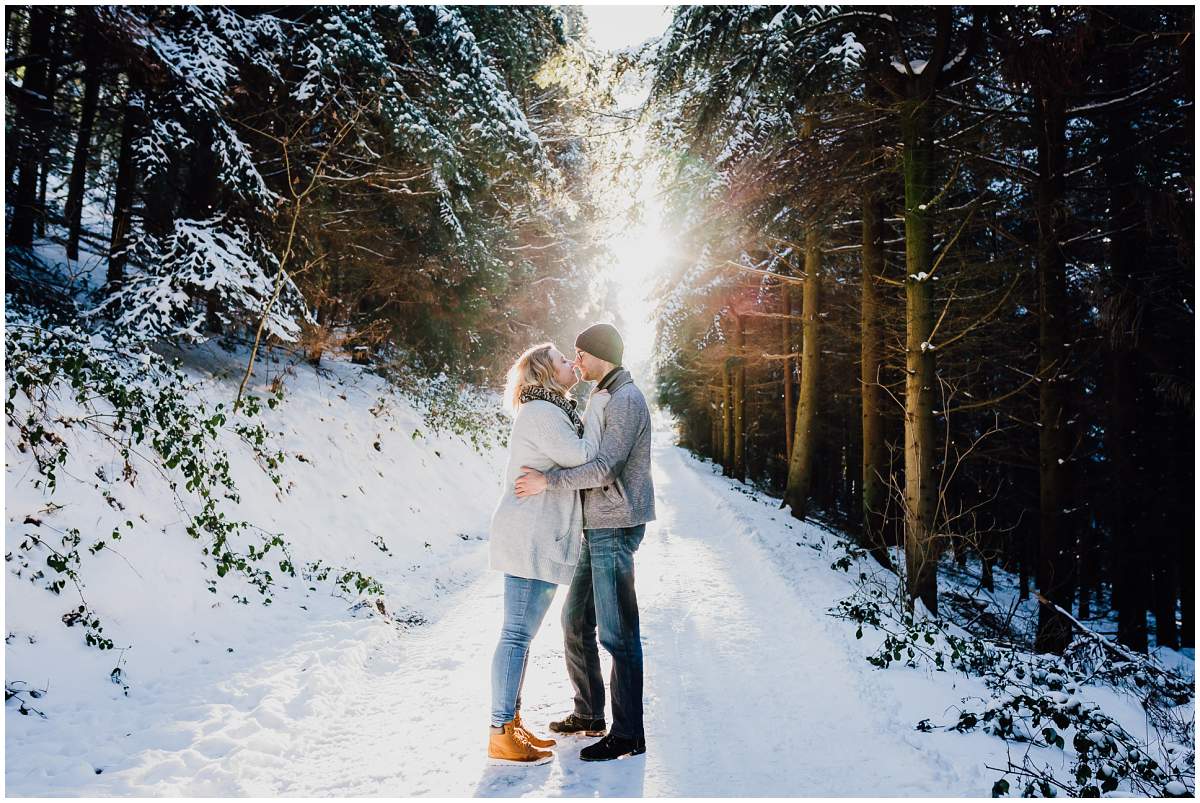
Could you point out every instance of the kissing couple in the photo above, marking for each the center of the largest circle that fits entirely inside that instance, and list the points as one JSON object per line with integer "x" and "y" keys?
{"x": 577, "y": 496}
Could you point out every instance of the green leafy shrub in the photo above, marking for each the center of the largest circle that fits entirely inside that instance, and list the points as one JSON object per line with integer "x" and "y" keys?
{"x": 447, "y": 405}
{"x": 62, "y": 378}
{"x": 1035, "y": 698}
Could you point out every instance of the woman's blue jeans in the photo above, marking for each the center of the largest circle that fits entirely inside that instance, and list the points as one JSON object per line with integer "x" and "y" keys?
{"x": 525, "y": 604}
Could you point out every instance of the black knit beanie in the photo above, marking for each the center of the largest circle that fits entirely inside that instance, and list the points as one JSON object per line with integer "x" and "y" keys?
{"x": 601, "y": 340}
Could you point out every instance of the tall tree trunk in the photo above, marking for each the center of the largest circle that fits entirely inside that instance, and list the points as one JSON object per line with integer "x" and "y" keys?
{"x": 852, "y": 469}
{"x": 727, "y": 418}
{"x": 1056, "y": 534}
{"x": 1024, "y": 545}
{"x": 1132, "y": 572}
{"x": 122, "y": 219}
{"x": 697, "y": 433}
{"x": 57, "y": 42}
{"x": 1175, "y": 514}
{"x": 92, "y": 47}
{"x": 1089, "y": 569}
{"x": 921, "y": 548}
{"x": 789, "y": 421}
{"x": 1184, "y": 526}
{"x": 874, "y": 446}
{"x": 714, "y": 424}
{"x": 739, "y": 399}
{"x": 1166, "y": 581}
{"x": 15, "y": 28}
{"x": 1186, "y": 500}
{"x": 800, "y": 466}
{"x": 31, "y": 108}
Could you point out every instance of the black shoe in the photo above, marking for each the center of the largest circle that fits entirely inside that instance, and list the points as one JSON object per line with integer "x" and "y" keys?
{"x": 577, "y": 724}
{"x": 611, "y": 747}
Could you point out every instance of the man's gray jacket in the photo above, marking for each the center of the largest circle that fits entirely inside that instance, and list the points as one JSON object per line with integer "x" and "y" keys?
{"x": 618, "y": 490}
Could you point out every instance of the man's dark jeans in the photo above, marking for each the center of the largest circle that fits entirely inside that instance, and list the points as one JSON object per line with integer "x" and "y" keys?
{"x": 602, "y": 595}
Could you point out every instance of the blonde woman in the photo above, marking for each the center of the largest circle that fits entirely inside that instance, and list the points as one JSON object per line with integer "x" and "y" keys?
{"x": 535, "y": 541}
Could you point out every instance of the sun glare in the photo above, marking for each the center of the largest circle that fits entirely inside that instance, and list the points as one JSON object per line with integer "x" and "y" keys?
{"x": 638, "y": 255}
{"x": 639, "y": 249}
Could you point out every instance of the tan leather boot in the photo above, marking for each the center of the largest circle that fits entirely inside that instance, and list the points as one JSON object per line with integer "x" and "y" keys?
{"x": 507, "y": 746}
{"x": 534, "y": 740}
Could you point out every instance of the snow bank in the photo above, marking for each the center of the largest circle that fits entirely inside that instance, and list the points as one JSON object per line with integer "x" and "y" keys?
{"x": 364, "y": 485}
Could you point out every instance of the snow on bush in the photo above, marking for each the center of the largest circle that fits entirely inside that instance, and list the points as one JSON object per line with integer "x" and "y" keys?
{"x": 69, "y": 391}
{"x": 1039, "y": 700}
{"x": 214, "y": 258}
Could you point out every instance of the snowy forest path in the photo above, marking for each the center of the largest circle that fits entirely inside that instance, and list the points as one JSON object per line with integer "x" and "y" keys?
{"x": 750, "y": 688}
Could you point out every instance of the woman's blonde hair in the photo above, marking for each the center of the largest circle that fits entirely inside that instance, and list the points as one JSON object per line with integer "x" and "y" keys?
{"x": 533, "y": 368}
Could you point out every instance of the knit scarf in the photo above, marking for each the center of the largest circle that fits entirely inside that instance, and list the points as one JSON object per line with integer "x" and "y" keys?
{"x": 531, "y": 392}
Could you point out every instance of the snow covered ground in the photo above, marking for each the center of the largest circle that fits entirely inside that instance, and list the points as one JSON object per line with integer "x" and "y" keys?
{"x": 751, "y": 688}
{"x": 363, "y": 473}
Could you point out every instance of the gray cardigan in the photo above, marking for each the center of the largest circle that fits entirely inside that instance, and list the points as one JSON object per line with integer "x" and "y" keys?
{"x": 619, "y": 489}
{"x": 539, "y": 537}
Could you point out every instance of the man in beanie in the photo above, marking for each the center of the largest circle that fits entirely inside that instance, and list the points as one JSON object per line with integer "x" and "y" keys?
{"x": 618, "y": 500}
